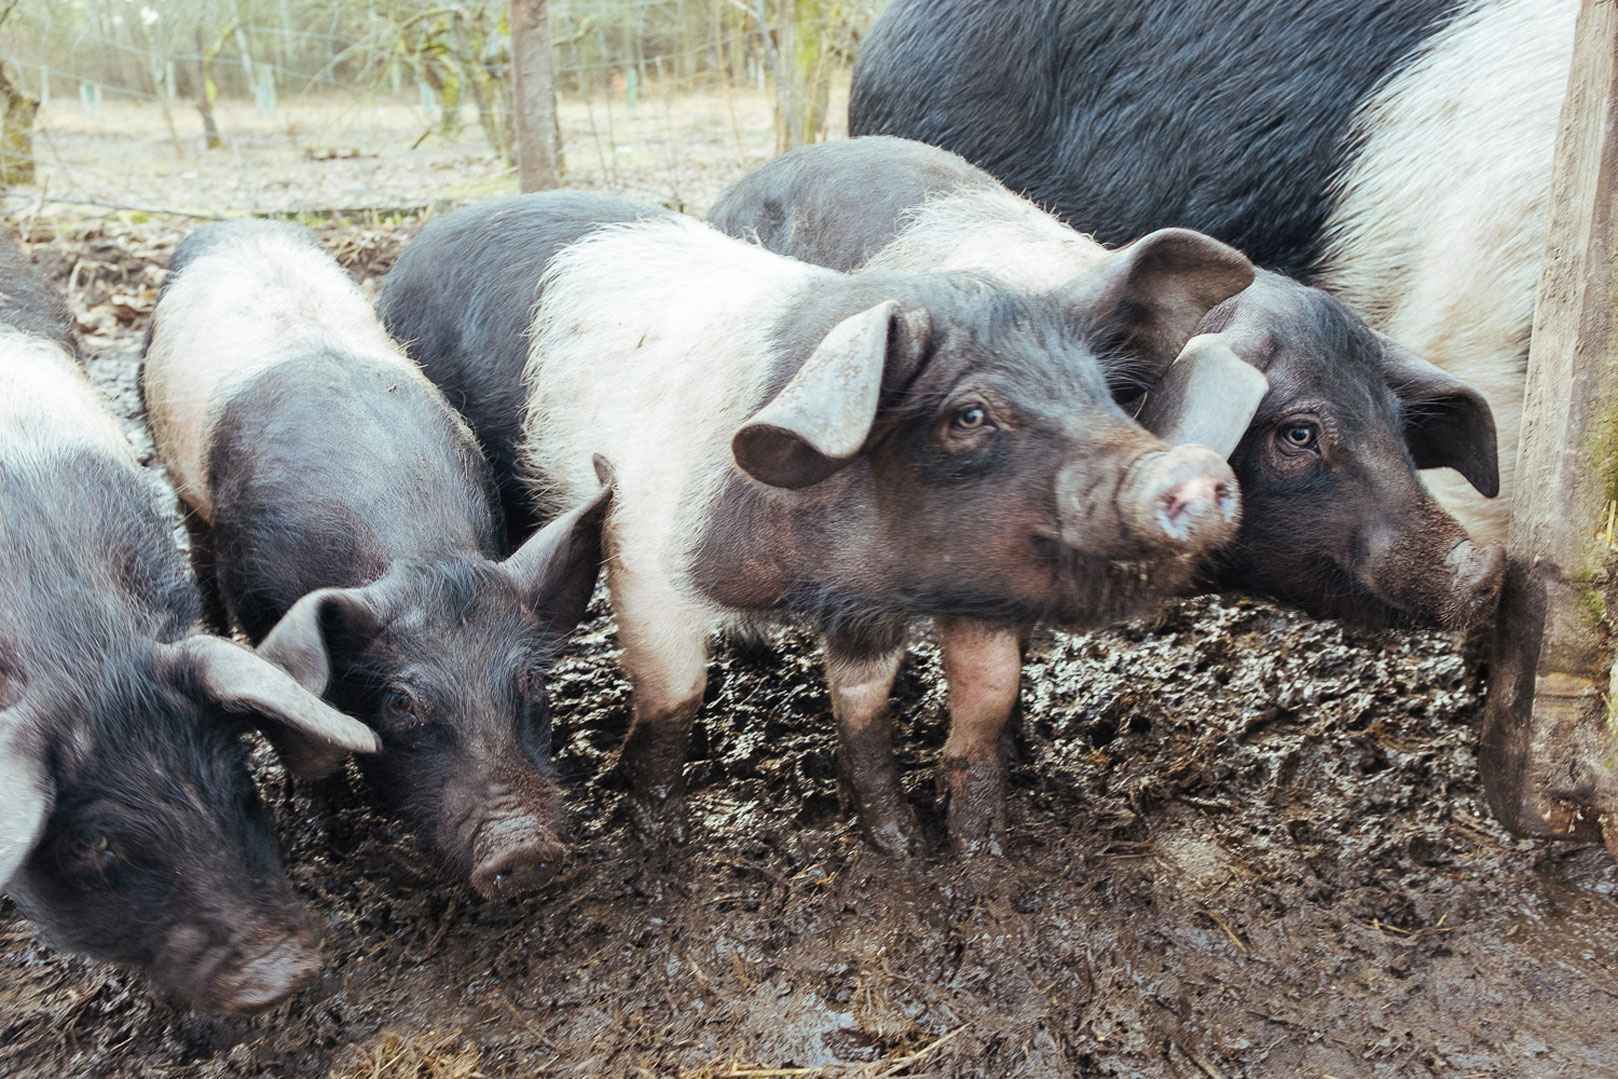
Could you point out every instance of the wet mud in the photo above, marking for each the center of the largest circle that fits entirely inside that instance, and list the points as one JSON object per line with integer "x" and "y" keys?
{"x": 1238, "y": 843}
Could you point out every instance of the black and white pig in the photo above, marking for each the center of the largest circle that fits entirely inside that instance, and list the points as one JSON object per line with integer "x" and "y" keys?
{"x": 130, "y": 828}
{"x": 853, "y": 452}
{"x": 1397, "y": 155}
{"x": 346, "y": 518}
{"x": 1335, "y": 519}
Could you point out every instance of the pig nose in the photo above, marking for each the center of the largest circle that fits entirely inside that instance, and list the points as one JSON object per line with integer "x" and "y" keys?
{"x": 515, "y": 858}
{"x": 1479, "y": 574}
{"x": 269, "y": 976}
{"x": 1185, "y": 498}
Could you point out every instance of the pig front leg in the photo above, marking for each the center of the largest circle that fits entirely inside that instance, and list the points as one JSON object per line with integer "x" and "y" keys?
{"x": 665, "y": 654}
{"x": 860, "y": 680}
{"x": 983, "y": 669}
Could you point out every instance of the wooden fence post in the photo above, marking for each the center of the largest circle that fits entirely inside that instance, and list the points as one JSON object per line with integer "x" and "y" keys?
{"x": 1549, "y": 747}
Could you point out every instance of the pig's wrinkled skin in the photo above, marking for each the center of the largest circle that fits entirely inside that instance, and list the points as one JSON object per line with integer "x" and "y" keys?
{"x": 856, "y": 452}
{"x": 130, "y": 828}
{"x": 346, "y": 520}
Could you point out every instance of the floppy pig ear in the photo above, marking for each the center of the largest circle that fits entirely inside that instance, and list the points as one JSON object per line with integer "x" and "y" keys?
{"x": 1209, "y": 397}
{"x": 822, "y": 417}
{"x": 1152, "y": 294}
{"x": 27, "y": 796}
{"x": 303, "y": 644}
{"x": 1448, "y": 424}
{"x": 311, "y": 736}
{"x": 558, "y": 566}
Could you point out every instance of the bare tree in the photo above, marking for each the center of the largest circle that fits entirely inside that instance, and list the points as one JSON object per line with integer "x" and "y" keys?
{"x": 539, "y": 134}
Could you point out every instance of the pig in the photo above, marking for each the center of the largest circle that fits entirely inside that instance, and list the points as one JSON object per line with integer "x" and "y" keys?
{"x": 346, "y": 520}
{"x": 854, "y": 452}
{"x": 130, "y": 827}
{"x": 1396, "y": 155}
{"x": 441, "y": 300}
{"x": 1335, "y": 519}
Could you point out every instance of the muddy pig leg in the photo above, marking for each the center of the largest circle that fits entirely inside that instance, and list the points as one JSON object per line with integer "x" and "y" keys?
{"x": 665, "y": 654}
{"x": 983, "y": 668}
{"x": 860, "y": 680}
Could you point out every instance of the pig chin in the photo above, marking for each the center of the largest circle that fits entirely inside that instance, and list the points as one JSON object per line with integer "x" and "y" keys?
{"x": 237, "y": 974}
{"x": 1088, "y": 591}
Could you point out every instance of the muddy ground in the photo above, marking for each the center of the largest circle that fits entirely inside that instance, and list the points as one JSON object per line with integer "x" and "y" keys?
{"x": 1242, "y": 844}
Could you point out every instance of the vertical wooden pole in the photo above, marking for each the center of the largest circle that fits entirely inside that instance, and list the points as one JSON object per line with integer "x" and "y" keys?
{"x": 1549, "y": 748}
{"x": 538, "y": 131}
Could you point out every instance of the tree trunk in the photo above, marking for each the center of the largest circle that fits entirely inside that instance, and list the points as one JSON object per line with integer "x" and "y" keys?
{"x": 802, "y": 63}
{"x": 1549, "y": 748}
{"x": 205, "y": 93}
{"x": 17, "y": 112}
{"x": 539, "y": 134}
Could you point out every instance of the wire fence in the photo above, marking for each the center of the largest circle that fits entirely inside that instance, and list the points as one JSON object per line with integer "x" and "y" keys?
{"x": 389, "y": 105}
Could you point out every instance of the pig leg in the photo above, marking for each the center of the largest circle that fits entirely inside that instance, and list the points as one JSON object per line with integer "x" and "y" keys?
{"x": 665, "y": 654}
{"x": 205, "y": 564}
{"x": 983, "y": 668}
{"x": 860, "y": 681}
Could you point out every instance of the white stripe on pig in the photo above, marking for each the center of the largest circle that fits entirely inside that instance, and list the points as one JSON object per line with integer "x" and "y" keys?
{"x": 651, "y": 347}
{"x": 47, "y": 403}
{"x": 1439, "y": 230}
{"x": 991, "y": 230}
{"x": 236, "y": 310}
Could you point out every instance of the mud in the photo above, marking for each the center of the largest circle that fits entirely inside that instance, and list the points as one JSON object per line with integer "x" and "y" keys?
{"x": 1238, "y": 843}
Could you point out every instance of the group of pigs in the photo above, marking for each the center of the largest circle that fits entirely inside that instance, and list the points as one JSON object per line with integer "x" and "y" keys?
{"x": 876, "y": 388}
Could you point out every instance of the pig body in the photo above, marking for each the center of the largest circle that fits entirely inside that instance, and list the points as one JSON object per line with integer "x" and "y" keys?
{"x": 1344, "y": 530}
{"x": 1397, "y": 155}
{"x": 130, "y": 828}
{"x": 855, "y": 452}
{"x": 460, "y": 299}
{"x": 346, "y": 518}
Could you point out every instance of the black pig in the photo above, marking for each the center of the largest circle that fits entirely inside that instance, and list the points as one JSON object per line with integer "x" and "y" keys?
{"x": 130, "y": 828}
{"x": 346, "y": 518}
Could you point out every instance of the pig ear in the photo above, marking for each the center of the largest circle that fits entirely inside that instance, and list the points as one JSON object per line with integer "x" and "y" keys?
{"x": 322, "y": 624}
{"x": 27, "y": 796}
{"x": 241, "y": 681}
{"x": 1148, "y": 297}
{"x": 1448, "y": 424}
{"x": 558, "y": 566}
{"x": 822, "y": 417}
{"x": 1209, "y": 397}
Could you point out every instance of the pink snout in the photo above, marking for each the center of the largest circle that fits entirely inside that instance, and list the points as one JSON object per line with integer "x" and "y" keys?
{"x": 1185, "y": 498}
{"x": 515, "y": 856}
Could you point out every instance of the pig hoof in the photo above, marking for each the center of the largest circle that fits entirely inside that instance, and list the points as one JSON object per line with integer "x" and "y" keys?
{"x": 659, "y": 823}
{"x": 893, "y": 831}
{"x": 976, "y": 790}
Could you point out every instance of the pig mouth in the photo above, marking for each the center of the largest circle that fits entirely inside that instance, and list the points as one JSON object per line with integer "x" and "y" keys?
{"x": 233, "y": 978}
{"x": 1093, "y": 591}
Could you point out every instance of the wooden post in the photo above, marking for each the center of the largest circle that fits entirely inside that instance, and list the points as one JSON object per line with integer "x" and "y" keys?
{"x": 539, "y": 133}
{"x": 1549, "y": 747}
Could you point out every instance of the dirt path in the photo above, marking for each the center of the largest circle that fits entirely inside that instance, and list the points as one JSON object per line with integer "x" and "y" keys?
{"x": 1242, "y": 844}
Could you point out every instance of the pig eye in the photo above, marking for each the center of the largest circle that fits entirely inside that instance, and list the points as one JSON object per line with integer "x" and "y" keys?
{"x": 1300, "y": 436}
{"x": 94, "y": 854}
{"x": 971, "y": 418}
{"x": 402, "y": 706}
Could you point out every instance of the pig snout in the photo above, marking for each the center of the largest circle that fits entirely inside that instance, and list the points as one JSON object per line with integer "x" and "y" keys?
{"x": 1180, "y": 500}
{"x": 513, "y": 856}
{"x": 239, "y": 975}
{"x": 1479, "y": 574}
